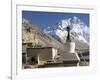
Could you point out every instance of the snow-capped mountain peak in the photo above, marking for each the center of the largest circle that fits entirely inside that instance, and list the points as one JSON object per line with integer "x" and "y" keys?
{"x": 79, "y": 30}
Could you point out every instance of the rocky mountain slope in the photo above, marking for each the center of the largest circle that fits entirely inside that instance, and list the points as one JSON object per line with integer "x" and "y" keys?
{"x": 32, "y": 34}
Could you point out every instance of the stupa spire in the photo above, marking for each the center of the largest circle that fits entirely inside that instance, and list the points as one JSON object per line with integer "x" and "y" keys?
{"x": 68, "y": 36}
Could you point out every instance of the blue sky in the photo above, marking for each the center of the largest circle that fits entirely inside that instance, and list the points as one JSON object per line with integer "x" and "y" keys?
{"x": 45, "y": 19}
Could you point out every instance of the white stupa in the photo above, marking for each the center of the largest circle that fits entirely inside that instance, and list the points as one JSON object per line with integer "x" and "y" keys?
{"x": 70, "y": 57}
{"x": 70, "y": 45}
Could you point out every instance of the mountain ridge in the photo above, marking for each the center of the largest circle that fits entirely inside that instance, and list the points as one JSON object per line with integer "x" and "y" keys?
{"x": 79, "y": 30}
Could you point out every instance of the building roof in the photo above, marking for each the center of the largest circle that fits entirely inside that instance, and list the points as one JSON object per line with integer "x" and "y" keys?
{"x": 40, "y": 47}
